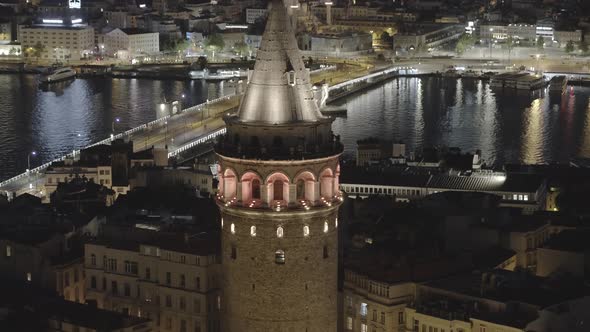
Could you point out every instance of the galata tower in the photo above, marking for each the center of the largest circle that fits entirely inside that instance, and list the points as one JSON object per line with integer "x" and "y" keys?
{"x": 279, "y": 197}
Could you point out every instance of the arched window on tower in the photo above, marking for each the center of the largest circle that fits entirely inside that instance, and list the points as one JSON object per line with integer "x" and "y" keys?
{"x": 326, "y": 227}
{"x": 305, "y": 230}
{"x": 232, "y": 228}
{"x": 280, "y": 231}
{"x": 255, "y": 189}
{"x": 253, "y": 231}
{"x": 300, "y": 189}
{"x": 278, "y": 190}
{"x": 280, "y": 257}
{"x": 304, "y": 184}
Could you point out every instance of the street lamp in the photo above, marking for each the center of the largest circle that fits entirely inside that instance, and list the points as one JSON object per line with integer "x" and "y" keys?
{"x": 491, "y": 37}
{"x": 117, "y": 120}
{"x": 32, "y": 153}
{"x": 166, "y": 135}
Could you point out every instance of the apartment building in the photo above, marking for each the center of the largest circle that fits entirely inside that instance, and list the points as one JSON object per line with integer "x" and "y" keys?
{"x": 128, "y": 43}
{"x": 374, "y": 305}
{"x": 57, "y": 40}
{"x": 174, "y": 282}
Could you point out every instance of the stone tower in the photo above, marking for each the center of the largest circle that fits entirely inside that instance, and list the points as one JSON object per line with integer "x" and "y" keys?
{"x": 279, "y": 197}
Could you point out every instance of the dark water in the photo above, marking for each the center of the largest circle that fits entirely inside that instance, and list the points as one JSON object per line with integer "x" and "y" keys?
{"x": 74, "y": 114}
{"x": 507, "y": 127}
{"x": 466, "y": 113}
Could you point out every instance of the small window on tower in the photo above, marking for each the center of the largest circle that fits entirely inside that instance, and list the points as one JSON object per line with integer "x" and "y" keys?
{"x": 336, "y": 223}
{"x": 233, "y": 228}
{"x": 305, "y": 230}
{"x": 326, "y": 227}
{"x": 253, "y": 231}
{"x": 234, "y": 252}
{"x": 280, "y": 257}
{"x": 280, "y": 231}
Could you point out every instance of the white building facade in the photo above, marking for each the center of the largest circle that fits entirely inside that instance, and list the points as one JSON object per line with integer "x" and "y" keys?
{"x": 57, "y": 42}
{"x": 128, "y": 43}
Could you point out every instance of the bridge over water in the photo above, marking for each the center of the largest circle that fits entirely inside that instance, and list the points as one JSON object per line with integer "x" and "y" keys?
{"x": 185, "y": 130}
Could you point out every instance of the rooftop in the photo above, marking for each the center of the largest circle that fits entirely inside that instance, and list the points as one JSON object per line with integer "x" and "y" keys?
{"x": 571, "y": 240}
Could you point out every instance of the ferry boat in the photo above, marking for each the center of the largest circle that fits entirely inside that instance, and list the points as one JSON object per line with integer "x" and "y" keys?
{"x": 558, "y": 84}
{"x": 57, "y": 75}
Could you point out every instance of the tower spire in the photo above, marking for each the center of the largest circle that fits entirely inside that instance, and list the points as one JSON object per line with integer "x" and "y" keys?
{"x": 279, "y": 91}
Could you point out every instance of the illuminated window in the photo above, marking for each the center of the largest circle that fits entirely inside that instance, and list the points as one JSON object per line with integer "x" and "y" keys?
{"x": 28, "y": 276}
{"x": 221, "y": 222}
{"x": 363, "y": 327}
{"x": 305, "y": 230}
{"x": 363, "y": 310}
{"x": 8, "y": 251}
{"x": 233, "y": 228}
{"x": 253, "y": 230}
{"x": 349, "y": 323}
{"x": 326, "y": 227}
{"x": 280, "y": 257}
{"x": 280, "y": 232}
{"x": 526, "y": 197}
{"x": 336, "y": 223}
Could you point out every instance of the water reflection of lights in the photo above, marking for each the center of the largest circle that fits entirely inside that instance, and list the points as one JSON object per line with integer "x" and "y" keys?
{"x": 532, "y": 143}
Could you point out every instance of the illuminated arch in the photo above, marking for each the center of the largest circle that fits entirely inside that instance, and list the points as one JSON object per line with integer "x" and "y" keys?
{"x": 230, "y": 183}
{"x": 277, "y": 187}
{"x": 251, "y": 183}
{"x": 326, "y": 180}
{"x": 305, "y": 186}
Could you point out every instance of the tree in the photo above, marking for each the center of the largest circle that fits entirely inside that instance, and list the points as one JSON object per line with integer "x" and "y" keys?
{"x": 583, "y": 47}
{"x": 570, "y": 47}
{"x": 241, "y": 48}
{"x": 386, "y": 39}
{"x": 509, "y": 45}
{"x": 214, "y": 42}
{"x": 12, "y": 51}
{"x": 38, "y": 50}
{"x": 182, "y": 45}
{"x": 202, "y": 62}
{"x": 465, "y": 41}
{"x": 540, "y": 43}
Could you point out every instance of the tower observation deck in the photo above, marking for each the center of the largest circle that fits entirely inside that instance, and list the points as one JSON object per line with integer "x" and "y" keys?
{"x": 279, "y": 197}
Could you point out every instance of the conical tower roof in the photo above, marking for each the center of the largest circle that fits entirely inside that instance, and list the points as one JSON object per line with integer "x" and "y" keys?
{"x": 279, "y": 91}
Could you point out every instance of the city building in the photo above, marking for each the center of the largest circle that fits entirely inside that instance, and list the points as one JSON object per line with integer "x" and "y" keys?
{"x": 564, "y": 253}
{"x": 170, "y": 278}
{"x": 278, "y": 197}
{"x": 425, "y": 36}
{"x": 129, "y": 43}
{"x": 57, "y": 40}
{"x": 66, "y": 171}
{"x": 565, "y": 36}
{"x": 496, "y": 300}
{"x": 5, "y": 32}
{"x": 336, "y": 43}
{"x": 28, "y": 308}
{"x": 516, "y": 190}
{"x": 255, "y": 14}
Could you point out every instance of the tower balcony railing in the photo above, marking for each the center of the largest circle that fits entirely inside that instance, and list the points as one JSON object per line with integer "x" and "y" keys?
{"x": 281, "y": 205}
{"x": 279, "y": 152}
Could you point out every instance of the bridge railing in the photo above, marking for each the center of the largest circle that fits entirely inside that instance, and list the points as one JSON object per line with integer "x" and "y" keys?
{"x": 196, "y": 142}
